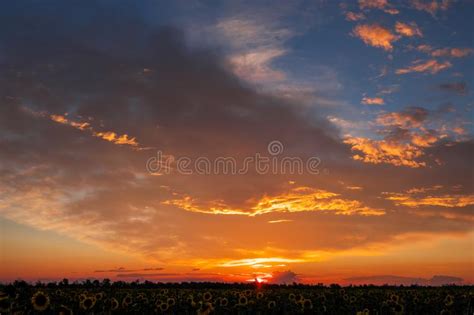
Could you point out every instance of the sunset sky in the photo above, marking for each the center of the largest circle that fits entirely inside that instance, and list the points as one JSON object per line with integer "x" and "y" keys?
{"x": 100, "y": 99}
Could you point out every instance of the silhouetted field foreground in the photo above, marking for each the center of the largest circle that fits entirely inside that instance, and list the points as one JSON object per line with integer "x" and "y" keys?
{"x": 217, "y": 298}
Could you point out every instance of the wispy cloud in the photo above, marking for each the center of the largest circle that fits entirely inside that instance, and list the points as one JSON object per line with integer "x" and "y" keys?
{"x": 447, "y": 52}
{"x": 408, "y": 29}
{"x": 110, "y": 136}
{"x": 298, "y": 199}
{"x": 256, "y": 65}
{"x": 255, "y": 45}
{"x": 452, "y": 52}
{"x": 449, "y": 201}
{"x": 123, "y": 269}
{"x": 259, "y": 261}
{"x": 383, "y": 5}
{"x": 430, "y": 66}
{"x": 431, "y": 6}
{"x": 372, "y": 100}
{"x": 354, "y": 16}
{"x": 280, "y": 221}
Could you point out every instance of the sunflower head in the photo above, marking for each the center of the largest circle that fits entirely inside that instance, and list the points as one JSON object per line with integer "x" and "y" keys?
{"x": 127, "y": 300}
{"x": 448, "y": 300}
{"x": 171, "y": 301}
{"x": 164, "y": 307}
{"x": 307, "y": 304}
{"x": 259, "y": 295}
{"x": 82, "y": 297}
{"x": 114, "y": 304}
{"x": 398, "y": 308}
{"x": 88, "y": 303}
{"x": 271, "y": 305}
{"x": 243, "y": 300}
{"x": 40, "y": 301}
{"x": 207, "y": 296}
{"x": 395, "y": 298}
{"x": 99, "y": 296}
{"x": 223, "y": 302}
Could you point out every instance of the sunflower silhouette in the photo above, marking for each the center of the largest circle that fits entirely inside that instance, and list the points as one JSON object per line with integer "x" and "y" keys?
{"x": 271, "y": 305}
{"x": 114, "y": 304}
{"x": 207, "y": 296}
{"x": 243, "y": 300}
{"x": 307, "y": 304}
{"x": 223, "y": 302}
{"x": 88, "y": 303}
{"x": 40, "y": 301}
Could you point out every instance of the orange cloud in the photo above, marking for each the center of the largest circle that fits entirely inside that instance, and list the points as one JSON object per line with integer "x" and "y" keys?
{"x": 424, "y": 140}
{"x": 424, "y": 48}
{"x": 406, "y": 137}
{"x": 414, "y": 198}
{"x": 375, "y": 35}
{"x": 353, "y": 16}
{"x": 107, "y": 135}
{"x": 392, "y": 11}
{"x": 452, "y": 52}
{"x": 459, "y": 130}
{"x": 279, "y": 221}
{"x": 117, "y": 139}
{"x": 299, "y": 199}
{"x": 370, "y": 4}
{"x": 63, "y": 120}
{"x": 411, "y": 118}
{"x": 250, "y": 262}
{"x": 377, "y": 4}
{"x": 408, "y": 29}
{"x": 431, "y": 7}
{"x": 373, "y": 101}
{"x": 448, "y": 201}
{"x": 418, "y": 190}
{"x": 431, "y": 66}
{"x": 387, "y": 152}
{"x": 354, "y": 188}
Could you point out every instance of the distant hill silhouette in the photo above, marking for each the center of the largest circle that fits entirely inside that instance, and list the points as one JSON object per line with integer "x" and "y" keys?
{"x": 436, "y": 280}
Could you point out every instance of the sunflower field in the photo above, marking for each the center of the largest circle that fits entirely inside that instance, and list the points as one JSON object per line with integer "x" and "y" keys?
{"x": 216, "y": 298}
